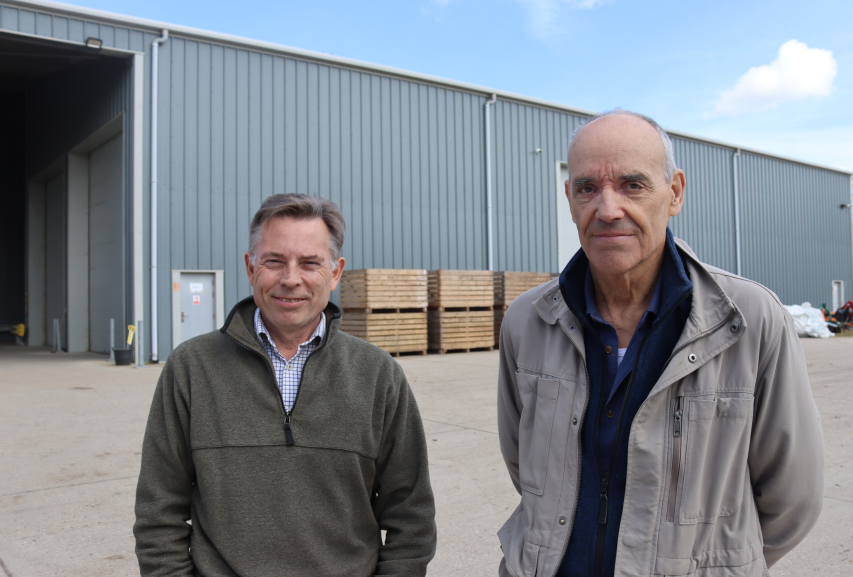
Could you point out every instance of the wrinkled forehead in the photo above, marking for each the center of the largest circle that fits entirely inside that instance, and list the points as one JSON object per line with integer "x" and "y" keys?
{"x": 618, "y": 142}
{"x": 297, "y": 235}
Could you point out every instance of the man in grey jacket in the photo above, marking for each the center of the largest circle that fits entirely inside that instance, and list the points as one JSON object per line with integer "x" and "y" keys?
{"x": 654, "y": 412}
{"x": 288, "y": 445}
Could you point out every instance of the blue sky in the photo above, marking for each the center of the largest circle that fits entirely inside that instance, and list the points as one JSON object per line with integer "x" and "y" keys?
{"x": 775, "y": 76}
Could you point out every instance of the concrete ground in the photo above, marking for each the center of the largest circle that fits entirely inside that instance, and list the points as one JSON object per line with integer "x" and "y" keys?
{"x": 71, "y": 429}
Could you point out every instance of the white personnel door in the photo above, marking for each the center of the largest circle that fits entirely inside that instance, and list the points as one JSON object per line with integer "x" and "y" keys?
{"x": 198, "y": 310}
{"x": 837, "y": 294}
{"x": 568, "y": 241}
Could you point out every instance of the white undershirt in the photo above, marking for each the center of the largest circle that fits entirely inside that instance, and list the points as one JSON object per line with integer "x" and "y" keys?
{"x": 620, "y": 355}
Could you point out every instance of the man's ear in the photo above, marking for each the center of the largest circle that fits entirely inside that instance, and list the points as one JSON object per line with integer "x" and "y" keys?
{"x": 569, "y": 198}
{"x": 336, "y": 274}
{"x": 250, "y": 269}
{"x": 677, "y": 188}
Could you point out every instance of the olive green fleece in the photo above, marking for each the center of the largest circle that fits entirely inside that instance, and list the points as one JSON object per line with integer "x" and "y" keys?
{"x": 215, "y": 452}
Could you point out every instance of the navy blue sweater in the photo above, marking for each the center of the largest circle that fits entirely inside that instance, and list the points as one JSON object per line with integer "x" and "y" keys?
{"x": 592, "y": 544}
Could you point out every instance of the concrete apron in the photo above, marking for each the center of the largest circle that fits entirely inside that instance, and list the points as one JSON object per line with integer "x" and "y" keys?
{"x": 71, "y": 429}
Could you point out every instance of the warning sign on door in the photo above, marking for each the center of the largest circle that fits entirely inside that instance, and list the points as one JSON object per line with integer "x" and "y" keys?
{"x": 196, "y": 287}
{"x": 196, "y": 299}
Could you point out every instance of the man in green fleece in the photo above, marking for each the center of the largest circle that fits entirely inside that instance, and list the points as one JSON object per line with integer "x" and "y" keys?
{"x": 280, "y": 445}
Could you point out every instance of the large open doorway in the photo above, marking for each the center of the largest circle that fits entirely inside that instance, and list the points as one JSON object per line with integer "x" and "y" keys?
{"x": 63, "y": 197}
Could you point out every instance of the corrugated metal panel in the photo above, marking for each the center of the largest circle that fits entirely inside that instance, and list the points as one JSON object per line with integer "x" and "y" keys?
{"x": 106, "y": 258}
{"x": 525, "y": 193}
{"x": 403, "y": 158}
{"x": 706, "y": 221}
{"x": 796, "y": 239}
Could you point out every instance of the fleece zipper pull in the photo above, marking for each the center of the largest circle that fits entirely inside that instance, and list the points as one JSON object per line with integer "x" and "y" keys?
{"x": 287, "y": 431}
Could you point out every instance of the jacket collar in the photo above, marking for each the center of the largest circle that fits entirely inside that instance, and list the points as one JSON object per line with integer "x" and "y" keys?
{"x": 240, "y": 324}
{"x": 711, "y": 308}
{"x": 673, "y": 278}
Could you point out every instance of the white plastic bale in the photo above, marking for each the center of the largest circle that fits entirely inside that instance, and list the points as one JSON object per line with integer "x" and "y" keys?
{"x": 809, "y": 321}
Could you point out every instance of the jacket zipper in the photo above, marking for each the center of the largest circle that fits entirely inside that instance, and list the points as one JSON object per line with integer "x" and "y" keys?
{"x": 602, "y": 500}
{"x": 677, "y": 416}
{"x": 288, "y": 432}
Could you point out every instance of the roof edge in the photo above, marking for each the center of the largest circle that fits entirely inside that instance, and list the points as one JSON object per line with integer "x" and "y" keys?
{"x": 271, "y": 47}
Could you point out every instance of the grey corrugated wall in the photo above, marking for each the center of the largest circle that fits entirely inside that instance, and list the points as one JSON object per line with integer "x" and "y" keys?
{"x": 403, "y": 158}
{"x": 796, "y": 239}
{"x": 707, "y": 221}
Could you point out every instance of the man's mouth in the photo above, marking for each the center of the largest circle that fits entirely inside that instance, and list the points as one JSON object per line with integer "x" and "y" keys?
{"x": 289, "y": 300}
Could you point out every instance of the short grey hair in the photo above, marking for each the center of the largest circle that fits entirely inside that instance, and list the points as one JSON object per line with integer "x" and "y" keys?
{"x": 301, "y": 207}
{"x": 669, "y": 156}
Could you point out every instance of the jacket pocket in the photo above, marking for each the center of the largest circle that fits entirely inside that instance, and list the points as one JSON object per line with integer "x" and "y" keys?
{"x": 717, "y": 432}
{"x": 539, "y": 398}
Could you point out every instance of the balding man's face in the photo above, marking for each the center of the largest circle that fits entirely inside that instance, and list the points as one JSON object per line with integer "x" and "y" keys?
{"x": 618, "y": 193}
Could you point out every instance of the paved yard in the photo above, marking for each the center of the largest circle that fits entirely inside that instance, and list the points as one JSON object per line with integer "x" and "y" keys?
{"x": 71, "y": 428}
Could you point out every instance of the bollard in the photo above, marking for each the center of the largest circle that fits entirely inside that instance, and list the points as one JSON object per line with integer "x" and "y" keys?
{"x": 112, "y": 340}
{"x": 140, "y": 363}
{"x": 57, "y": 345}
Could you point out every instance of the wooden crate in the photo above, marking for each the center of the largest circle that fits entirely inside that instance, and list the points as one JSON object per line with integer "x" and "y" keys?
{"x": 500, "y": 311}
{"x": 509, "y": 285}
{"x": 373, "y": 288}
{"x": 461, "y": 289}
{"x": 461, "y": 330}
{"x": 393, "y": 332}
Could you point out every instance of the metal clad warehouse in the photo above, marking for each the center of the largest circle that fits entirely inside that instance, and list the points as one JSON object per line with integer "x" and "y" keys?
{"x": 404, "y": 155}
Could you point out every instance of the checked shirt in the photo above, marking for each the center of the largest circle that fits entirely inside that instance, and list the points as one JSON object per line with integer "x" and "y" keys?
{"x": 288, "y": 374}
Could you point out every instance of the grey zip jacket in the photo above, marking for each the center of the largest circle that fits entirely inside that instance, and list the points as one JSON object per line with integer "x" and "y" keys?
{"x": 725, "y": 456}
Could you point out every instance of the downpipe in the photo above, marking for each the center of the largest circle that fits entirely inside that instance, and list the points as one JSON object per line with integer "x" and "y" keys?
{"x": 735, "y": 160}
{"x": 489, "y": 245}
{"x": 154, "y": 50}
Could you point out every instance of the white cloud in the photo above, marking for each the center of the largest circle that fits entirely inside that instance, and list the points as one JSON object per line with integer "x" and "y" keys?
{"x": 798, "y": 72}
{"x": 545, "y": 15}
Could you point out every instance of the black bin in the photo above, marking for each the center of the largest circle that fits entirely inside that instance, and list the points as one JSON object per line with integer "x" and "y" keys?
{"x": 123, "y": 356}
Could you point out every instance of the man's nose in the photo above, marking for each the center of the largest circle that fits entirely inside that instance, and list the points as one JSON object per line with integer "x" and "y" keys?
{"x": 609, "y": 205}
{"x": 290, "y": 276}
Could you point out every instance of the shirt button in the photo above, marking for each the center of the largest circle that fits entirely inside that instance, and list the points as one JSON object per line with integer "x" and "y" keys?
{"x": 608, "y": 349}
{"x": 610, "y": 414}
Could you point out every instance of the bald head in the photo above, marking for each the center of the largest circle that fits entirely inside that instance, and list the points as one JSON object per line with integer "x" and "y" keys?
{"x": 665, "y": 142}
{"x": 619, "y": 192}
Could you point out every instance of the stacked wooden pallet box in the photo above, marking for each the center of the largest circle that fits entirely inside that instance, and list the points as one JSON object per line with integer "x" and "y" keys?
{"x": 386, "y": 307}
{"x": 509, "y": 286}
{"x": 461, "y": 310}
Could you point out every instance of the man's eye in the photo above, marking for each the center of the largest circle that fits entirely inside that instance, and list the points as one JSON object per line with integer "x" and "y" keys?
{"x": 635, "y": 186}
{"x": 585, "y": 190}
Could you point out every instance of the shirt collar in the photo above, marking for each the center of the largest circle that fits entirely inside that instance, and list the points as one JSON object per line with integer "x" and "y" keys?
{"x": 317, "y": 335}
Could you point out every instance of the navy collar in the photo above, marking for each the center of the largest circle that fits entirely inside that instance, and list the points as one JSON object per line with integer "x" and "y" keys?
{"x": 672, "y": 286}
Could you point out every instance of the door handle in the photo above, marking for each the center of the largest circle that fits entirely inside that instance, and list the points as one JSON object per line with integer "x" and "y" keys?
{"x": 184, "y": 316}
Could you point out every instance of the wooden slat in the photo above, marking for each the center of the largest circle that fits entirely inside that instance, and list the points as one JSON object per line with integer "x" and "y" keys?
{"x": 461, "y": 330}
{"x": 509, "y": 285}
{"x": 393, "y": 332}
{"x": 384, "y": 289}
{"x": 461, "y": 288}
